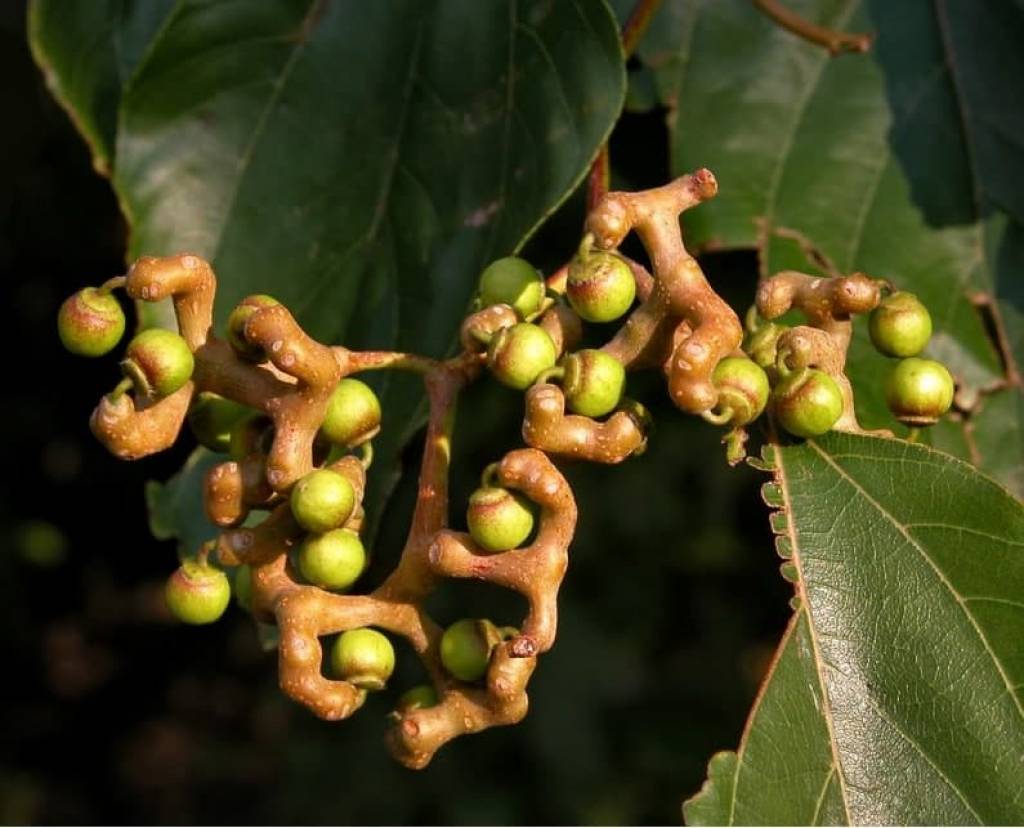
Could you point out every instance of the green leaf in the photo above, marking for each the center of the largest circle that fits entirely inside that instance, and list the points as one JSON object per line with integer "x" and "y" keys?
{"x": 176, "y": 506}
{"x": 88, "y": 51}
{"x": 359, "y": 161}
{"x": 896, "y": 694}
{"x": 896, "y": 163}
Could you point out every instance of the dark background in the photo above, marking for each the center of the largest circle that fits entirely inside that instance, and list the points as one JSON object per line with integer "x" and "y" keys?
{"x": 112, "y": 713}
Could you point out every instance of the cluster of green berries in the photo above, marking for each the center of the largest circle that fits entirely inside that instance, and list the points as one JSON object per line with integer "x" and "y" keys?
{"x": 918, "y": 391}
{"x": 807, "y": 402}
{"x": 600, "y": 287}
{"x": 366, "y": 658}
{"x": 157, "y": 362}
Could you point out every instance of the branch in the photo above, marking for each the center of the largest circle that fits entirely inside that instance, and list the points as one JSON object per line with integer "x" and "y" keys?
{"x": 836, "y": 43}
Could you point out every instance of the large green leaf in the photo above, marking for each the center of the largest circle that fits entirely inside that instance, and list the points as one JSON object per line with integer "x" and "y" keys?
{"x": 360, "y": 161}
{"x": 896, "y": 694}
{"x": 88, "y": 51}
{"x": 896, "y": 163}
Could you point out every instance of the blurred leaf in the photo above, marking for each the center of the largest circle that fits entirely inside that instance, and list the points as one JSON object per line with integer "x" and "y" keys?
{"x": 896, "y": 694}
{"x": 359, "y": 161}
{"x": 891, "y": 163}
{"x": 88, "y": 51}
{"x": 176, "y": 507}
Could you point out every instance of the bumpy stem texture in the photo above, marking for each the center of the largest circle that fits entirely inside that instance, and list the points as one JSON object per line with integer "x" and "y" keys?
{"x": 681, "y": 327}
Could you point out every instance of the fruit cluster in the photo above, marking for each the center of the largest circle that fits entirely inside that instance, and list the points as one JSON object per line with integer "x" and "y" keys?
{"x": 297, "y": 429}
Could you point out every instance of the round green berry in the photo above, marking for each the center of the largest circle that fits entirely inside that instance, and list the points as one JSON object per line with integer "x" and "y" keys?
{"x": 90, "y": 322}
{"x": 900, "y": 326}
{"x": 742, "y": 388}
{"x": 808, "y": 402}
{"x": 197, "y": 593}
{"x": 363, "y": 657}
{"x": 762, "y": 345}
{"x": 353, "y": 413}
{"x": 498, "y": 519}
{"x": 212, "y": 418}
{"x": 517, "y": 355}
{"x": 466, "y": 648}
{"x": 236, "y": 326}
{"x": 593, "y": 382}
{"x": 333, "y": 560}
{"x": 417, "y": 698}
{"x": 600, "y": 286}
{"x": 919, "y": 391}
{"x": 158, "y": 361}
{"x": 512, "y": 281}
{"x": 322, "y": 500}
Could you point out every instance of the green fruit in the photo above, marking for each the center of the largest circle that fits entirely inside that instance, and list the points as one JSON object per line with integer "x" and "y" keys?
{"x": 808, "y": 402}
{"x": 593, "y": 382}
{"x": 512, "y": 281}
{"x": 158, "y": 361}
{"x": 236, "y": 326}
{"x": 353, "y": 413}
{"x": 197, "y": 593}
{"x": 498, "y": 519}
{"x": 363, "y": 657}
{"x": 90, "y": 322}
{"x": 333, "y": 560}
{"x": 919, "y": 391}
{"x": 519, "y": 354}
{"x": 600, "y": 286}
{"x": 212, "y": 418}
{"x": 762, "y": 345}
{"x": 901, "y": 325}
{"x": 742, "y": 388}
{"x": 417, "y": 698}
{"x": 466, "y": 648}
{"x": 322, "y": 500}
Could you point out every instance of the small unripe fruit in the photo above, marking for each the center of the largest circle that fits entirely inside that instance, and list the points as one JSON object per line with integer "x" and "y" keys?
{"x": 236, "y": 326}
{"x": 762, "y": 345}
{"x": 333, "y": 560}
{"x": 417, "y": 698}
{"x": 919, "y": 391}
{"x": 593, "y": 382}
{"x": 901, "y": 325}
{"x": 512, "y": 281}
{"x": 197, "y": 593}
{"x": 158, "y": 361}
{"x": 742, "y": 388}
{"x": 363, "y": 657}
{"x": 498, "y": 519}
{"x": 353, "y": 413}
{"x": 808, "y": 402}
{"x": 519, "y": 354}
{"x": 212, "y": 417}
{"x": 322, "y": 500}
{"x": 90, "y": 322}
{"x": 466, "y": 648}
{"x": 600, "y": 286}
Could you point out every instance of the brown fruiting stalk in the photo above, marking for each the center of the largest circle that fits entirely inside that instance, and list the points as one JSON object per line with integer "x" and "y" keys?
{"x": 705, "y": 329}
{"x": 828, "y": 305}
{"x": 835, "y": 42}
{"x": 680, "y": 327}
